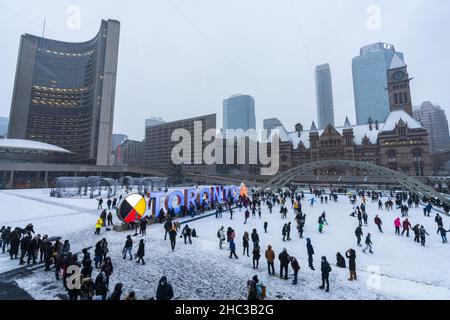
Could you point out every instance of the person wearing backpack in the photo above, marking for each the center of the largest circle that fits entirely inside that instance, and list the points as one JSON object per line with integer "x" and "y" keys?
{"x": 256, "y": 291}
{"x": 325, "y": 268}
{"x": 296, "y": 267}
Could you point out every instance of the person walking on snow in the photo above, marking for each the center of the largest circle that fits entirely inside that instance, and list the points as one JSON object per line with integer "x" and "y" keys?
{"x": 423, "y": 233}
{"x": 325, "y": 269}
{"x": 358, "y": 234}
{"x": 368, "y": 244}
{"x": 397, "y": 225}
{"x": 256, "y": 256}
{"x": 98, "y": 225}
{"x": 141, "y": 252}
{"x": 438, "y": 220}
{"x": 310, "y": 251}
{"x": 245, "y": 243}
{"x": 233, "y": 249}
{"x": 173, "y": 237}
{"x": 128, "y": 247}
{"x": 406, "y": 226}
{"x": 378, "y": 222}
{"x": 443, "y": 233}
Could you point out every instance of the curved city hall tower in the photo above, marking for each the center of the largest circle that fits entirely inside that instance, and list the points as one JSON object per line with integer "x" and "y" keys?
{"x": 64, "y": 93}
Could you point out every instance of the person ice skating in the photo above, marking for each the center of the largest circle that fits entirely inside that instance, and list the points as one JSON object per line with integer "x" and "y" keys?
{"x": 443, "y": 233}
{"x": 283, "y": 231}
{"x": 270, "y": 257}
{"x": 351, "y": 256}
{"x": 221, "y": 236}
{"x": 284, "y": 263}
{"x": 173, "y": 238}
{"x": 245, "y": 243}
{"x": 247, "y": 215}
{"x": 368, "y": 243}
{"x": 296, "y": 267}
{"x": 233, "y": 249}
{"x": 256, "y": 255}
{"x": 324, "y": 218}
{"x": 397, "y": 225}
{"x": 98, "y": 225}
{"x": 107, "y": 269}
{"x": 310, "y": 251}
{"x": 325, "y": 269}
{"x": 143, "y": 226}
{"x": 288, "y": 231}
{"x": 423, "y": 233}
{"x": 438, "y": 220}
{"x": 406, "y": 226}
{"x": 416, "y": 230}
{"x": 265, "y": 226}
{"x": 365, "y": 217}
{"x": 186, "y": 233}
{"x": 164, "y": 290}
{"x": 358, "y": 234}
{"x": 340, "y": 260}
{"x": 128, "y": 247}
{"x": 141, "y": 252}
{"x": 378, "y": 223}
{"x": 108, "y": 203}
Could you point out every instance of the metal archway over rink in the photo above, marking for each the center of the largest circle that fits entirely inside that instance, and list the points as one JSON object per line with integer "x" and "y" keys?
{"x": 410, "y": 183}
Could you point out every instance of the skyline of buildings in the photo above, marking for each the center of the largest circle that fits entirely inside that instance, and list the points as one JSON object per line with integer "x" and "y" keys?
{"x": 324, "y": 96}
{"x": 369, "y": 71}
{"x": 270, "y": 124}
{"x": 433, "y": 118}
{"x": 239, "y": 112}
{"x": 64, "y": 93}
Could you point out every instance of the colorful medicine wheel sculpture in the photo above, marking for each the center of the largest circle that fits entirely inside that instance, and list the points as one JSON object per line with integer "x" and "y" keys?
{"x": 132, "y": 208}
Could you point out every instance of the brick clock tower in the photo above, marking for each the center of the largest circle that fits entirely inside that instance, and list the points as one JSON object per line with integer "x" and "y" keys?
{"x": 398, "y": 86}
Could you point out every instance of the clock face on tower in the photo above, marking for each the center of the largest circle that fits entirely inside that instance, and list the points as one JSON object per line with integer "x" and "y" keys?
{"x": 398, "y": 75}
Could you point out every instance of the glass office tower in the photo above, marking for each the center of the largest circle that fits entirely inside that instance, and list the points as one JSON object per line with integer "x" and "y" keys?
{"x": 64, "y": 93}
{"x": 324, "y": 96}
{"x": 370, "y": 81}
{"x": 239, "y": 112}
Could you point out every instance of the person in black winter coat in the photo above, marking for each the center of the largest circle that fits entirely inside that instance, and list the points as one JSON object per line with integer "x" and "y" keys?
{"x": 101, "y": 287}
{"x": 351, "y": 256}
{"x": 256, "y": 256}
{"x": 141, "y": 252}
{"x": 255, "y": 237}
{"x": 164, "y": 290}
{"x": 173, "y": 238}
{"x": 128, "y": 247}
{"x": 33, "y": 247}
{"x": 117, "y": 292}
{"x": 340, "y": 260}
{"x": 284, "y": 263}
{"x": 358, "y": 234}
{"x": 325, "y": 268}
{"x": 368, "y": 244}
{"x": 14, "y": 243}
{"x": 310, "y": 250}
{"x": 438, "y": 220}
{"x": 24, "y": 244}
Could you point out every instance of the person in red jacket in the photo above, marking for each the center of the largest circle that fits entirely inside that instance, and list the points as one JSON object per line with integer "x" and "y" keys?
{"x": 406, "y": 226}
{"x": 378, "y": 222}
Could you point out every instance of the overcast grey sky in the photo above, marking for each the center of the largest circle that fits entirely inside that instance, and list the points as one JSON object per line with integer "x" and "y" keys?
{"x": 181, "y": 58}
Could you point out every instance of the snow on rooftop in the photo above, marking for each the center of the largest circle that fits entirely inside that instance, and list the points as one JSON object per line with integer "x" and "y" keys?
{"x": 395, "y": 116}
{"x": 30, "y": 145}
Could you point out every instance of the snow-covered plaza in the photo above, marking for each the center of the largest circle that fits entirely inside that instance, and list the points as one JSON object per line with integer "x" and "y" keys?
{"x": 399, "y": 268}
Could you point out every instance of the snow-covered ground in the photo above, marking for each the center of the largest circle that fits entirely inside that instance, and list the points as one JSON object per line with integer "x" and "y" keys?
{"x": 398, "y": 269}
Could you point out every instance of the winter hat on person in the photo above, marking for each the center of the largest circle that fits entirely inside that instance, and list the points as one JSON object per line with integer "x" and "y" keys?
{"x": 255, "y": 278}
{"x": 284, "y": 250}
{"x": 324, "y": 258}
{"x": 308, "y": 240}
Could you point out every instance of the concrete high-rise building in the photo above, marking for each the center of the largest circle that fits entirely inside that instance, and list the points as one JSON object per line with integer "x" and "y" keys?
{"x": 153, "y": 121}
{"x": 434, "y": 120}
{"x": 270, "y": 124}
{"x": 239, "y": 112}
{"x": 159, "y": 145}
{"x": 324, "y": 96}
{"x": 64, "y": 93}
{"x": 3, "y": 127}
{"x": 370, "y": 81}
